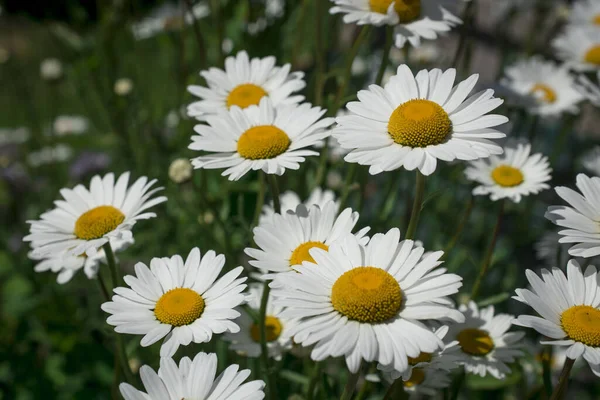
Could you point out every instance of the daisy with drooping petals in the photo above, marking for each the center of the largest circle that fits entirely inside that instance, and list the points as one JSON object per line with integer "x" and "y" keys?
{"x": 194, "y": 379}
{"x": 290, "y": 200}
{"x": 550, "y": 86}
{"x": 512, "y": 175}
{"x": 183, "y": 302}
{"x": 591, "y": 161}
{"x": 569, "y": 309}
{"x": 369, "y": 302}
{"x": 87, "y": 219}
{"x": 590, "y": 90}
{"x": 66, "y": 265}
{"x": 579, "y": 47}
{"x": 247, "y": 341}
{"x": 259, "y": 137}
{"x": 484, "y": 340}
{"x": 585, "y": 12}
{"x": 414, "y": 121}
{"x": 582, "y": 219}
{"x": 244, "y": 83}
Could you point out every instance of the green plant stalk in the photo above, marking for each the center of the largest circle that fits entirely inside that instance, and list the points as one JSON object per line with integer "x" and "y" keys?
{"x": 314, "y": 380}
{"x": 389, "y": 40}
{"x": 215, "y": 11}
{"x": 259, "y": 200}
{"x": 547, "y": 369}
{"x": 274, "y": 187}
{"x": 347, "y": 182}
{"x": 563, "y": 380}
{"x": 487, "y": 259}
{"x": 350, "y": 385}
{"x": 396, "y": 390}
{"x": 299, "y": 33}
{"x": 533, "y": 128}
{"x": 466, "y": 17}
{"x": 197, "y": 35}
{"x": 112, "y": 265}
{"x": 320, "y": 53}
{"x": 366, "y": 387}
{"x": 461, "y": 225}
{"x": 417, "y": 205}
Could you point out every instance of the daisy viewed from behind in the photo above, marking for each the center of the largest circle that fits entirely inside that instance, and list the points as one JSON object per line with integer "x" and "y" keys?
{"x": 579, "y": 47}
{"x": 415, "y": 120}
{"x": 512, "y": 175}
{"x": 194, "y": 379}
{"x": 243, "y": 83}
{"x": 259, "y": 137}
{"x": 569, "y": 309}
{"x": 582, "y": 219}
{"x": 290, "y": 200}
{"x": 182, "y": 302}
{"x": 369, "y": 302}
{"x": 88, "y": 218}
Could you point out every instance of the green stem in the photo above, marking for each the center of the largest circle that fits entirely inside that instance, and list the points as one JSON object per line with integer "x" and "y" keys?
{"x": 123, "y": 360}
{"x": 396, "y": 390}
{"x": 347, "y": 183}
{"x": 417, "y": 205}
{"x": 364, "y": 390}
{"x": 264, "y": 350}
{"x": 272, "y": 179}
{"x": 259, "y": 200}
{"x": 320, "y": 52}
{"x": 461, "y": 225}
{"x": 314, "y": 380}
{"x": 547, "y": 368}
{"x": 559, "y": 143}
{"x": 350, "y": 386}
{"x": 112, "y": 265}
{"x": 300, "y": 37}
{"x": 466, "y": 17}
{"x": 535, "y": 120}
{"x": 455, "y": 388}
{"x": 487, "y": 259}
{"x": 215, "y": 11}
{"x": 198, "y": 35}
{"x": 563, "y": 381}
{"x": 389, "y": 40}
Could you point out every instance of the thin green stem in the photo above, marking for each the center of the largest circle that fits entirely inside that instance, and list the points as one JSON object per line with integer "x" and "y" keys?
{"x": 533, "y": 128}
{"x": 461, "y": 225}
{"x": 463, "y": 33}
{"x": 320, "y": 52}
{"x": 103, "y": 288}
{"x": 350, "y": 385}
{"x": 300, "y": 37}
{"x": 112, "y": 265}
{"x": 487, "y": 259}
{"x": 563, "y": 380}
{"x": 366, "y": 387}
{"x": 547, "y": 369}
{"x": 314, "y": 381}
{"x": 215, "y": 11}
{"x": 122, "y": 354}
{"x": 347, "y": 183}
{"x": 417, "y": 205}
{"x": 259, "y": 200}
{"x": 197, "y": 34}
{"x": 389, "y": 40}
{"x": 264, "y": 350}
{"x": 395, "y": 391}
{"x": 272, "y": 179}
{"x": 456, "y": 385}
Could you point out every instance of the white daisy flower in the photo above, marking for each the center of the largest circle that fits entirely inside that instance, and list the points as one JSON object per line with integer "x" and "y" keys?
{"x": 195, "y": 379}
{"x": 285, "y": 241}
{"x": 259, "y": 137}
{"x": 585, "y": 12}
{"x": 66, "y": 265}
{"x": 414, "y": 121}
{"x": 590, "y": 90}
{"x": 289, "y": 201}
{"x": 591, "y": 161}
{"x": 247, "y": 341}
{"x": 244, "y": 83}
{"x": 581, "y": 220}
{"x": 413, "y": 19}
{"x": 569, "y": 309}
{"x": 87, "y": 219}
{"x": 512, "y": 175}
{"x": 183, "y": 302}
{"x": 579, "y": 47}
{"x": 70, "y": 125}
{"x": 550, "y": 86}
{"x": 484, "y": 340}
{"x": 369, "y": 302}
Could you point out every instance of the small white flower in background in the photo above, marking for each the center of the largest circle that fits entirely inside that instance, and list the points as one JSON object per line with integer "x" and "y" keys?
{"x": 550, "y": 86}
{"x": 591, "y": 161}
{"x": 246, "y": 342}
{"x": 182, "y": 302}
{"x": 194, "y": 379}
{"x": 585, "y": 12}
{"x": 66, "y": 265}
{"x": 359, "y": 66}
{"x": 289, "y": 201}
{"x": 243, "y": 83}
{"x": 274, "y": 8}
{"x": 4, "y": 55}
{"x": 569, "y": 311}
{"x": 512, "y": 175}
{"x": 227, "y": 45}
{"x": 172, "y": 119}
{"x": 334, "y": 180}
{"x": 168, "y": 17}
{"x": 14, "y": 136}
{"x": 579, "y": 47}
{"x": 256, "y": 27}
{"x": 70, "y": 125}
{"x": 589, "y": 89}
{"x": 427, "y": 53}
{"x": 123, "y": 86}
{"x": 50, "y": 155}
{"x": 485, "y": 342}
{"x": 51, "y": 69}
{"x": 180, "y": 170}
{"x": 415, "y": 120}
{"x": 581, "y": 219}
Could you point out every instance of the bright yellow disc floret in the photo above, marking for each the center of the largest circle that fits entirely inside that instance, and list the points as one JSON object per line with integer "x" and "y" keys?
{"x": 582, "y": 324}
{"x": 97, "y": 222}
{"x": 301, "y": 253}
{"x": 245, "y": 95}
{"x": 273, "y": 329}
{"x": 475, "y": 342}
{"x": 507, "y": 176}
{"x": 419, "y": 123}
{"x": 178, "y": 307}
{"x": 263, "y": 142}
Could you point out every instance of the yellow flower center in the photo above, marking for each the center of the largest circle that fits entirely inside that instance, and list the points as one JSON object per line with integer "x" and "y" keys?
{"x": 263, "y": 142}
{"x": 546, "y": 93}
{"x": 421, "y": 358}
{"x": 97, "y": 222}
{"x": 367, "y": 294}
{"x": 475, "y": 342}
{"x": 273, "y": 329}
{"x": 180, "y": 306}
{"x": 245, "y": 95}
{"x": 419, "y": 123}
{"x": 416, "y": 378}
{"x": 582, "y": 324}
{"x": 301, "y": 253}
{"x": 596, "y": 19}
{"x": 407, "y": 10}
{"x": 593, "y": 55}
{"x": 507, "y": 176}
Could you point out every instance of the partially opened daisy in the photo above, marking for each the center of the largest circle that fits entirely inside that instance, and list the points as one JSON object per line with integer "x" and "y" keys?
{"x": 412, "y": 19}
{"x": 247, "y": 341}
{"x": 181, "y": 302}
{"x": 591, "y": 161}
{"x": 550, "y": 86}
{"x": 585, "y": 12}
{"x": 512, "y": 175}
{"x": 259, "y": 137}
{"x": 414, "y": 121}
{"x": 290, "y": 200}
{"x": 582, "y": 219}
{"x": 485, "y": 341}
{"x": 243, "y": 83}
{"x": 569, "y": 309}
{"x": 589, "y": 89}
{"x": 194, "y": 379}
{"x": 66, "y": 265}
{"x": 579, "y": 47}
{"x": 369, "y": 302}
{"x": 87, "y": 219}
